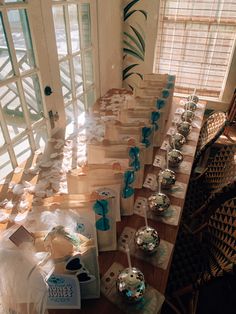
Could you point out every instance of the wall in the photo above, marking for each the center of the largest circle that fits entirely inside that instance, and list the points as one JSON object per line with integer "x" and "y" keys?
{"x": 110, "y": 17}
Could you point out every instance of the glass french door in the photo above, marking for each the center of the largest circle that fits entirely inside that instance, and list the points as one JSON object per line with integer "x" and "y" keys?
{"x": 76, "y": 50}
{"x": 23, "y": 123}
{"x": 44, "y": 45}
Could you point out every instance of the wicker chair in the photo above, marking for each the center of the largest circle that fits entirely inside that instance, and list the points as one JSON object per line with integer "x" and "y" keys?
{"x": 220, "y": 171}
{"x": 211, "y": 130}
{"x": 197, "y": 262}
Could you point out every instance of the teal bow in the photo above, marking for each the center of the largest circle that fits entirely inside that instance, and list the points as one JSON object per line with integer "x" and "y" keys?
{"x": 128, "y": 179}
{"x": 169, "y": 85}
{"x": 101, "y": 208}
{"x": 160, "y": 103}
{"x": 134, "y": 155}
{"x": 155, "y": 115}
{"x": 171, "y": 78}
{"x": 165, "y": 93}
{"x": 146, "y": 132}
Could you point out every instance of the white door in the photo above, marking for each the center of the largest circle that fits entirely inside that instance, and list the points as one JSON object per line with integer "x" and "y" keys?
{"x": 44, "y": 72}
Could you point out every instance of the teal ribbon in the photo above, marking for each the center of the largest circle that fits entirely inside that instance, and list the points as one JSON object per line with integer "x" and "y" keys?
{"x": 155, "y": 115}
{"x": 165, "y": 93}
{"x": 169, "y": 85}
{"x": 171, "y": 78}
{"x": 160, "y": 103}
{"x": 128, "y": 180}
{"x": 146, "y": 132}
{"x": 101, "y": 208}
{"x": 134, "y": 155}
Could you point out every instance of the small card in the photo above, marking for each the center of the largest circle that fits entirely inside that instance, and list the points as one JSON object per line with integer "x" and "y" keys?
{"x": 165, "y": 145}
{"x": 159, "y": 161}
{"x": 21, "y": 235}
{"x": 63, "y": 292}
{"x": 150, "y": 182}
{"x": 171, "y": 131}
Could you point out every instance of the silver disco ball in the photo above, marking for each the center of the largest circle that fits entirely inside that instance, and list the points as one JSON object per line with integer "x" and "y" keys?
{"x": 167, "y": 178}
{"x": 158, "y": 202}
{"x": 131, "y": 285}
{"x": 193, "y": 98}
{"x": 188, "y": 116}
{"x": 147, "y": 239}
{"x": 175, "y": 157}
{"x": 177, "y": 140}
{"x": 190, "y": 105}
{"x": 184, "y": 128}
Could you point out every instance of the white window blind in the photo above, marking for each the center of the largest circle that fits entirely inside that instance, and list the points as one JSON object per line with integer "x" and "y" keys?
{"x": 195, "y": 42}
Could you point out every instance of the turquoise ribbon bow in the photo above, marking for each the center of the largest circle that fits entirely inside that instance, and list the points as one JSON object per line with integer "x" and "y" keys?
{"x": 146, "y": 132}
{"x": 169, "y": 85}
{"x": 160, "y": 103}
{"x": 165, "y": 93}
{"x": 171, "y": 78}
{"x": 101, "y": 208}
{"x": 128, "y": 179}
{"x": 155, "y": 115}
{"x": 134, "y": 155}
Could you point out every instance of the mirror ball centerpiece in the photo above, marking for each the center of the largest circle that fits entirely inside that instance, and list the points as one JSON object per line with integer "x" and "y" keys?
{"x": 167, "y": 178}
{"x": 130, "y": 283}
{"x": 175, "y": 157}
{"x": 177, "y": 140}
{"x": 147, "y": 239}
{"x": 188, "y": 116}
{"x": 184, "y": 128}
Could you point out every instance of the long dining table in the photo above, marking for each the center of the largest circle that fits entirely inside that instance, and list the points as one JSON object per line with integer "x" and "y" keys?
{"x": 155, "y": 276}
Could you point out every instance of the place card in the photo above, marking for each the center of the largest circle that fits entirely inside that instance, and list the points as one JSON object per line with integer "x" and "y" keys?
{"x": 150, "y": 182}
{"x": 159, "y": 161}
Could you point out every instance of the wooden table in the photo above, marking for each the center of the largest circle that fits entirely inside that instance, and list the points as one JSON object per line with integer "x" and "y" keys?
{"x": 154, "y": 276}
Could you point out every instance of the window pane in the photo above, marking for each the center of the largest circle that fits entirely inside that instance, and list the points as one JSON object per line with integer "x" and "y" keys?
{"x": 40, "y": 137}
{"x": 22, "y": 39}
{"x": 65, "y": 81}
{"x": 88, "y": 64}
{"x": 12, "y": 1}
{"x": 5, "y": 165}
{"x": 78, "y": 75}
{"x": 70, "y": 120}
{"x": 80, "y": 106}
{"x": 86, "y": 25}
{"x": 2, "y": 140}
{"x": 22, "y": 150}
{"x": 90, "y": 97}
{"x": 12, "y": 109}
{"x": 60, "y": 30}
{"x": 74, "y": 27}
{"x": 6, "y": 69}
{"x": 33, "y": 97}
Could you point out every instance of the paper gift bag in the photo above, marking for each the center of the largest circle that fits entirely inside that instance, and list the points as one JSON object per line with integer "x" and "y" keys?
{"x": 91, "y": 177}
{"x": 66, "y": 228}
{"x": 102, "y": 176}
{"x": 128, "y": 154}
{"x": 115, "y": 130}
{"x": 102, "y": 208}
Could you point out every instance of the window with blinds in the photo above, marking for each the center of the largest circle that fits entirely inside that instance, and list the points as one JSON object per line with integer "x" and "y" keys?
{"x": 195, "y": 42}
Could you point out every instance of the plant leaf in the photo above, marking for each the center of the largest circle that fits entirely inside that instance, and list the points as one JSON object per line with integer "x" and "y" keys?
{"x": 140, "y": 38}
{"x": 131, "y": 73}
{"x": 137, "y": 43}
{"x": 133, "y": 49}
{"x": 133, "y": 11}
{"x": 129, "y": 6}
{"x": 129, "y": 68}
{"x": 132, "y": 53}
{"x": 131, "y": 87}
